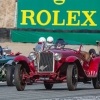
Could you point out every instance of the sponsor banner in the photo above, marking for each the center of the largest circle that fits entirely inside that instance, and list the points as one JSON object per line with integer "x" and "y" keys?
{"x": 70, "y": 38}
{"x": 59, "y": 14}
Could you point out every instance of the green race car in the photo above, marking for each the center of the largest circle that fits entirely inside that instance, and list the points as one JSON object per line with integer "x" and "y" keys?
{"x": 4, "y": 61}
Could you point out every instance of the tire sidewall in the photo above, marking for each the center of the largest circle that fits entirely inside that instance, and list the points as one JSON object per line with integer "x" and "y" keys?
{"x": 70, "y": 84}
{"x": 9, "y": 75}
{"x": 18, "y": 84}
{"x": 48, "y": 86}
{"x": 95, "y": 81}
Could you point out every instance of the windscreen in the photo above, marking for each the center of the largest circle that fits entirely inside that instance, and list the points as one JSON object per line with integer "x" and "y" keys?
{"x": 39, "y": 47}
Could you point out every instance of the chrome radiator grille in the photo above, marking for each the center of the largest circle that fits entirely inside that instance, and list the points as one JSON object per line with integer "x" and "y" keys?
{"x": 45, "y": 62}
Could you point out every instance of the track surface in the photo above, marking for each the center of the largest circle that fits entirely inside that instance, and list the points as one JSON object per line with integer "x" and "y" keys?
{"x": 58, "y": 92}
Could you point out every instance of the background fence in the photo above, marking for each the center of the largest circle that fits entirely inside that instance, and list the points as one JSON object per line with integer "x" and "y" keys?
{"x": 5, "y": 35}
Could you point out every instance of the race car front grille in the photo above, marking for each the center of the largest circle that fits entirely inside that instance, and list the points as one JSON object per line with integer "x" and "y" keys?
{"x": 46, "y": 62}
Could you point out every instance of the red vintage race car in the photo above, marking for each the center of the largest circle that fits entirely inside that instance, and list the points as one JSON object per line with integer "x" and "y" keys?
{"x": 57, "y": 64}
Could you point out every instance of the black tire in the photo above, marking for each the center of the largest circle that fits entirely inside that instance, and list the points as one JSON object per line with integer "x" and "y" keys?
{"x": 96, "y": 81}
{"x": 48, "y": 86}
{"x": 17, "y": 76}
{"x": 10, "y": 75}
{"x": 72, "y": 77}
{"x": 92, "y": 51}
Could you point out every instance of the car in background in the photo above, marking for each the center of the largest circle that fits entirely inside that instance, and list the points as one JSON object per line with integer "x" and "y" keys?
{"x": 5, "y": 50}
{"x": 5, "y": 60}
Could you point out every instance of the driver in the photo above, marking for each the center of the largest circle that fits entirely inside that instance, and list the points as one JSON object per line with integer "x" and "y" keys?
{"x": 60, "y": 43}
{"x": 50, "y": 41}
{"x": 42, "y": 39}
{"x": 41, "y": 43}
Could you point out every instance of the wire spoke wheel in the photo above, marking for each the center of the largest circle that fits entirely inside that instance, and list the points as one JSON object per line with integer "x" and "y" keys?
{"x": 98, "y": 76}
{"x": 19, "y": 83}
{"x": 96, "y": 81}
{"x": 72, "y": 77}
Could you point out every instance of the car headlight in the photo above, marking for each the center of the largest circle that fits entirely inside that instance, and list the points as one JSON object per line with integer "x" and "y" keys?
{"x": 32, "y": 56}
{"x": 57, "y": 56}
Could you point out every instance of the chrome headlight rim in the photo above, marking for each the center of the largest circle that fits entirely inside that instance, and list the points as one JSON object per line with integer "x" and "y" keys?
{"x": 57, "y": 56}
{"x": 32, "y": 56}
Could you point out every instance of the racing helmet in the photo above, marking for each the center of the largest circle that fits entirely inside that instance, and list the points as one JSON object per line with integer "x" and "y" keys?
{"x": 42, "y": 39}
{"x": 50, "y": 39}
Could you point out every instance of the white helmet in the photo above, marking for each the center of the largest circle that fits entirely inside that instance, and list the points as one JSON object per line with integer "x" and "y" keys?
{"x": 50, "y": 39}
{"x": 42, "y": 39}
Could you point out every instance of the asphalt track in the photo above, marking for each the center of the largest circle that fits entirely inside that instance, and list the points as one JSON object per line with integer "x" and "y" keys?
{"x": 58, "y": 92}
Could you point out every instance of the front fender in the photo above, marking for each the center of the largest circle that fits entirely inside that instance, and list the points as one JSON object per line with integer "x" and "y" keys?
{"x": 25, "y": 63}
{"x": 74, "y": 59}
{"x": 71, "y": 59}
{"x": 21, "y": 58}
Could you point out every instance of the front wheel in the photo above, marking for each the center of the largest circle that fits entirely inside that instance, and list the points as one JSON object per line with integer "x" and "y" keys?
{"x": 19, "y": 70}
{"x": 72, "y": 77}
{"x": 48, "y": 86}
{"x": 10, "y": 75}
{"x": 96, "y": 81}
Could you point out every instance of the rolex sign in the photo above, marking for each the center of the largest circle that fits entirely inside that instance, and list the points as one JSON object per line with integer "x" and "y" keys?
{"x": 59, "y": 14}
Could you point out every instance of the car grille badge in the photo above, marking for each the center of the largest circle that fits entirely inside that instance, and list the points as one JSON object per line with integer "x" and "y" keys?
{"x": 43, "y": 67}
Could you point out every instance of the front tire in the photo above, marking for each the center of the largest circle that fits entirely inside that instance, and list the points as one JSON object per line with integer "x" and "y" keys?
{"x": 96, "y": 81}
{"x": 10, "y": 75}
{"x": 48, "y": 86}
{"x": 72, "y": 77}
{"x": 20, "y": 86}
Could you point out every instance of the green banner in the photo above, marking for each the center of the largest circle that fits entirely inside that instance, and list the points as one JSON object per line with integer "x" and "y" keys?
{"x": 71, "y": 38}
{"x": 59, "y": 14}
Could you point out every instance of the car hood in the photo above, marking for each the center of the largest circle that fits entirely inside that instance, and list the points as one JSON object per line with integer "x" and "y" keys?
{"x": 4, "y": 59}
{"x": 64, "y": 52}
